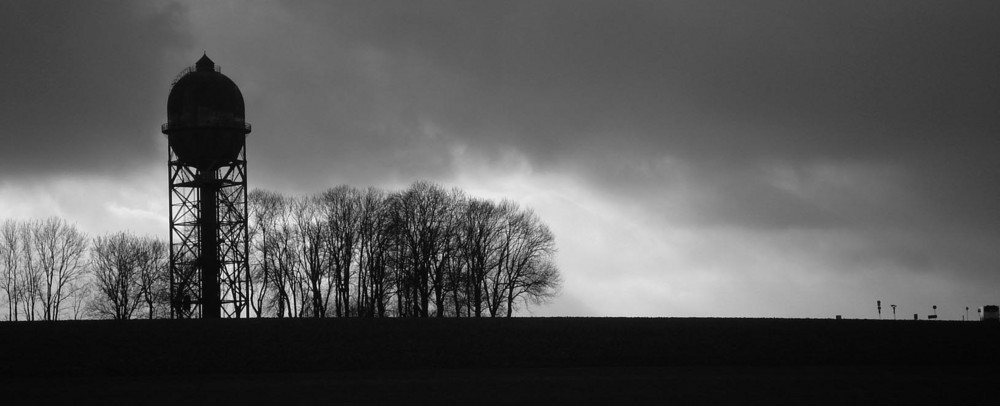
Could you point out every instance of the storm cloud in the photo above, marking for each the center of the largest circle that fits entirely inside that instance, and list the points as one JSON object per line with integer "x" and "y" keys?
{"x": 692, "y": 157}
{"x": 82, "y": 83}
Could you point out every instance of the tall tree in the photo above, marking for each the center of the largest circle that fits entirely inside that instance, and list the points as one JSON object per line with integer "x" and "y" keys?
{"x": 265, "y": 209}
{"x": 341, "y": 211}
{"x": 447, "y": 241}
{"x": 30, "y": 277}
{"x": 287, "y": 277}
{"x": 479, "y": 243}
{"x": 58, "y": 257}
{"x": 528, "y": 268}
{"x": 374, "y": 242}
{"x": 10, "y": 260}
{"x": 311, "y": 234}
{"x": 114, "y": 263}
{"x": 153, "y": 275}
{"x": 128, "y": 273}
{"x": 424, "y": 217}
{"x": 503, "y": 241}
{"x": 417, "y": 252}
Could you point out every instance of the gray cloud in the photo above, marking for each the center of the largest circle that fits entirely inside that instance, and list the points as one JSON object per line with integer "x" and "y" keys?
{"x": 726, "y": 86}
{"x": 803, "y": 79}
{"x": 898, "y": 96}
{"x": 83, "y": 84}
{"x": 389, "y": 86}
{"x": 876, "y": 121}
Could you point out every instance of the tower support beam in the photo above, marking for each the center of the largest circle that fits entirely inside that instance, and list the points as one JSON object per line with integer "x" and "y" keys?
{"x": 209, "y": 236}
{"x": 209, "y": 267}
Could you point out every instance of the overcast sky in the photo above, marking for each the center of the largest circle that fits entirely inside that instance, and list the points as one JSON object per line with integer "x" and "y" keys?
{"x": 693, "y": 158}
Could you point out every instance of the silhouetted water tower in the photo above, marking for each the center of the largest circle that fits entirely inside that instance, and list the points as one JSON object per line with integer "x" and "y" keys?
{"x": 206, "y": 133}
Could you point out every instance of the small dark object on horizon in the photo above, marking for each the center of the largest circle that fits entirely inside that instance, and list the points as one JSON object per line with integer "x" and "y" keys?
{"x": 991, "y": 313}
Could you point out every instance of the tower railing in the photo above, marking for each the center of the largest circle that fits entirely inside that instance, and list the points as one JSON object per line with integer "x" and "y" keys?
{"x": 190, "y": 69}
{"x": 206, "y": 123}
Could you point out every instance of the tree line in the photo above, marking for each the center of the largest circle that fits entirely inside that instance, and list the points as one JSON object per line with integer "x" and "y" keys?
{"x": 421, "y": 252}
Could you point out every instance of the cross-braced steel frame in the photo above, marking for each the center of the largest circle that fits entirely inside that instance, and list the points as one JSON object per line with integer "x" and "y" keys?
{"x": 202, "y": 201}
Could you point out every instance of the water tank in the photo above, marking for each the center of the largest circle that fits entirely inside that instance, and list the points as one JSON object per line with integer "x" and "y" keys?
{"x": 206, "y": 120}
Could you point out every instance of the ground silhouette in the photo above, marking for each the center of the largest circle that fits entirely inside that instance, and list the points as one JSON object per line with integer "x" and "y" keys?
{"x": 501, "y": 360}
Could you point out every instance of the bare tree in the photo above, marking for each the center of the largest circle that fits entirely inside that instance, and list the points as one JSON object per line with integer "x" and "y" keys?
{"x": 153, "y": 275}
{"x": 265, "y": 208}
{"x": 29, "y": 279}
{"x": 374, "y": 242}
{"x": 398, "y": 257}
{"x": 529, "y": 270}
{"x": 129, "y": 273}
{"x": 425, "y": 216}
{"x": 448, "y": 242}
{"x": 341, "y": 212}
{"x": 494, "y": 283}
{"x": 479, "y": 242}
{"x": 311, "y": 234}
{"x": 58, "y": 250}
{"x": 81, "y": 298}
{"x": 10, "y": 259}
{"x": 287, "y": 276}
{"x": 115, "y": 264}
{"x": 412, "y": 253}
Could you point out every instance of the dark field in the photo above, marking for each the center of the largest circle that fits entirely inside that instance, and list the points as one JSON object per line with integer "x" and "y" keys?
{"x": 542, "y": 360}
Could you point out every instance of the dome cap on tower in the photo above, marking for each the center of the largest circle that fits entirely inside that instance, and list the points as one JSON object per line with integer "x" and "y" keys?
{"x": 204, "y": 97}
{"x": 204, "y": 64}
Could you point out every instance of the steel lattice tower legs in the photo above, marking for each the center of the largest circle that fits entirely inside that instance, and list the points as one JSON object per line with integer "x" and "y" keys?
{"x": 209, "y": 267}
